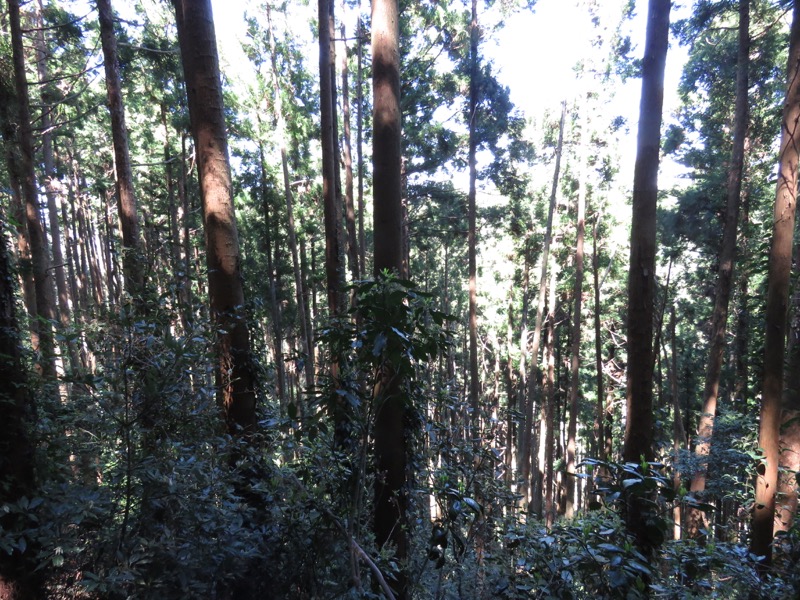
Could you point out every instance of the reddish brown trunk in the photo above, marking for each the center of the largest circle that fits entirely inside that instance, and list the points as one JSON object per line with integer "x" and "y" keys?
{"x": 235, "y": 379}
{"x": 350, "y": 212}
{"x": 780, "y": 264}
{"x": 391, "y": 496}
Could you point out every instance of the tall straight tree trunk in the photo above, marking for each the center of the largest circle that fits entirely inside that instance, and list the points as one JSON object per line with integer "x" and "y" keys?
{"x": 132, "y": 258}
{"x": 641, "y": 276}
{"x": 549, "y": 482}
{"x": 306, "y": 335}
{"x": 638, "y": 443}
{"x": 391, "y": 496}
{"x": 780, "y": 266}
{"x": 362, "y": 251}
{"x": 599, "y": 424}
{"x": 474, "y": 375}
{"x": 678, "y": 432}
{"x": 333, "y": 255}
{"x": 727, "y": 258}
{"x": 527, "y": 428}
{"x": 40, "y": 258}
{"x": 574, "y": 379}
{"x": 235, "y": 378}
{"x": 347, "y": 157}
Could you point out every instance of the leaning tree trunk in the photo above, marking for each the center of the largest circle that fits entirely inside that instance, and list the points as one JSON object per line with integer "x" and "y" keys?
{"x": 235, "y": 377}
{"x": 132, "y": 259}
{"x": 391, "y": 496}
{"x": 638, "y": 443}
{"x": 705, "y": 429}
{"x": 780, "y": 266}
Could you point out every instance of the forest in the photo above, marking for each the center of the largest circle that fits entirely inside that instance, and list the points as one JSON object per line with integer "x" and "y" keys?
{"x": 335, "y": 318}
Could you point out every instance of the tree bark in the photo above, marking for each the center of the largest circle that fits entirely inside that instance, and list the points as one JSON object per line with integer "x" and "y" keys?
{"x": 347, "y": 156}
{"x": 391, "y": 496}
{"x": 638, "y": 444}
{"x": 780, "y": 264}
{"x": 235, "y": 378}
{"x": 132, "y": 258}
{"x": 696, "y": 518}
{"x": 333, "y": 255}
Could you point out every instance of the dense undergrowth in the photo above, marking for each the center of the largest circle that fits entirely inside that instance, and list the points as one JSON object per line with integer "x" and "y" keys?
{"x": 138, "y": 497}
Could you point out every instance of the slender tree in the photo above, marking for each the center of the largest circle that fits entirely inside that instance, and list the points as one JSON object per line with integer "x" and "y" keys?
{"x": 333, "y": 254}
{"x": 780, "y": 265}
{"x": 391, "y": 501}
{"x": 638, "y": 442}
{"x": 235, "y": 377}
{"x": 727, "y": 258}
{"x": 132, "y": 258}
{"x": 474, "y": 85}
{"x": 574, "y": 378}
{"x": 347, "y": 158}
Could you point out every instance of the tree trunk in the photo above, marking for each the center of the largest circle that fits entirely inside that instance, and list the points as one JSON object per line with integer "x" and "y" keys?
{"x": 132, "y": 259}
{"x": 362, "y": 250}
{"x": 391, "y": 496}
{"x": 599, "y": 424}
{"x": 526, "y": 434}
{"x": 235, "y": 378}
{"x": 638, "y": 443}
{"x": 705, "y": 429}
{"x": 780, "y": 265}
{"x": 333, "y": 257}
{"x": 349, "y": 207}
{"x": 40, "y": 258}
{"x": 678, "y": 432}
{"x": 574, "y": 379}
{"x": 474, "y": 376}
{"x": 549, "y": 483}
